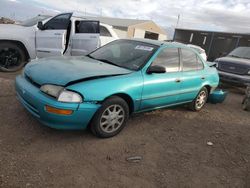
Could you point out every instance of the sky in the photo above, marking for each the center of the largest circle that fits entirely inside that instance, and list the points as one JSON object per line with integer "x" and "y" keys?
{"x": 213, "y": 15}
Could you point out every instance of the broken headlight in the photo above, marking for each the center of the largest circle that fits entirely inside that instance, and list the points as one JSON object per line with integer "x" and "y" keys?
{"x": 61, "y": 94}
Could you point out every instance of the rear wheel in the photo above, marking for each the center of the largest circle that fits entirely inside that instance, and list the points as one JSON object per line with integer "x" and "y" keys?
{"x": 200, "y": 100}
{"x": 12, "y": 57}
{"x": 111, "y": 118}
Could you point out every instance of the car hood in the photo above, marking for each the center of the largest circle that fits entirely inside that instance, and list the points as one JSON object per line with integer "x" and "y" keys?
{"x": 68, "y": 70}
{"x": 11, "y": 27}
{"x": 234, "y": 60}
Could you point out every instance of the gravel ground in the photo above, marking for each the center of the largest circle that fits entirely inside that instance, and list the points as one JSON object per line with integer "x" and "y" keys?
{"x": 172, "y": 144}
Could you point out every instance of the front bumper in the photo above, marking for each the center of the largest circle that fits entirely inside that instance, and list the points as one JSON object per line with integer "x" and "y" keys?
{"x": 234, "y": 78}
{"x": 34, "y": 101}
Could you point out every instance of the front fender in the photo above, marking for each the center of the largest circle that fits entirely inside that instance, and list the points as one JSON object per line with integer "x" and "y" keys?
{"x": 99, "y": 89}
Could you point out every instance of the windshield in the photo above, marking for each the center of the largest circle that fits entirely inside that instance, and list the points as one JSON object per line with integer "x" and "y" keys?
{"x": 33, "y": 21}
{"x": 241, "y": 52}
{"x": 128, "y": 54}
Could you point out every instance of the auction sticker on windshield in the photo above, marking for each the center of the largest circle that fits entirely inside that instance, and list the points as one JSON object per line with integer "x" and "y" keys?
{"x": 146, "y": 48}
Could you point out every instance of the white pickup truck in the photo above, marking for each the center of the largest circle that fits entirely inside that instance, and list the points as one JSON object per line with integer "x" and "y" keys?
{"x": 45, "y": 36}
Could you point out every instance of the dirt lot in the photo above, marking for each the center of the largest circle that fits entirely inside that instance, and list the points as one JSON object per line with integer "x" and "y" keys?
{"x": 172, "y": 142}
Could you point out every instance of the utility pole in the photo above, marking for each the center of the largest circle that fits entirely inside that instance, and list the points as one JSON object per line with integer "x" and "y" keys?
{"x": 178, "y": 19}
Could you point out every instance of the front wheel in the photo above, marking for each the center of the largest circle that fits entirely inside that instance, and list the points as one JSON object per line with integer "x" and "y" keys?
{"x": 12, "y": 57}
{"x": 111, "y": 118}
{"x": 200, "y": 100}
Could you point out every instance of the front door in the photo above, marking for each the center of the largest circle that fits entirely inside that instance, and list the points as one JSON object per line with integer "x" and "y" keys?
{"x": 52, "y": 40}
{"x": 162, "y": 89}
{"x": 86, "y": 37}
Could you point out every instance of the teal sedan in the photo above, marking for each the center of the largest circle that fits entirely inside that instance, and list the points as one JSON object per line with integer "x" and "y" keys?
{"x": 101, "y": 90}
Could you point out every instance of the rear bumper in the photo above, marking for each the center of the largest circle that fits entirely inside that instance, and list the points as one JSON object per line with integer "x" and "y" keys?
{"x": 234, "y": 78}
{"x": 34, "y": 101}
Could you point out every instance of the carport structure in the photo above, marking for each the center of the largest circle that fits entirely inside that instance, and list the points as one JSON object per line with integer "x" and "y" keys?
{"x": 216, "y": 44}
{"x": 134, "y": 28}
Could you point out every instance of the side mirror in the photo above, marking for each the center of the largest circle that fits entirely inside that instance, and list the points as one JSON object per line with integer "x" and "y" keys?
{"x": 40, "y": 25}
{"x": 156, "y": 69}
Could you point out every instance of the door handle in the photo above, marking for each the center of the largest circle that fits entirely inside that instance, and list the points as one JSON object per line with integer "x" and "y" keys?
{"x": 203, "y": 78}
{"x": 178, "y": 80}
{"x": 57, "y": 34}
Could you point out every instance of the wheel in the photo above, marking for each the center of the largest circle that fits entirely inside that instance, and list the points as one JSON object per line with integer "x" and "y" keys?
{"x": 111, "y": 118}
{"x": 246, "y": 104}
{"x": 12, "y": 57}
{"x": 200, "y": 100}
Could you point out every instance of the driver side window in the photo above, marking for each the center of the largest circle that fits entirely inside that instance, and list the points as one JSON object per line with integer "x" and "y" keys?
{"x": 59, "y": 22}
{"x": 168, "y": 58}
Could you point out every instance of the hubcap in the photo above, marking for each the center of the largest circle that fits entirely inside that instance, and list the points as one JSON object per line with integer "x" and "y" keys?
{"x": 9, "y": 58}
{"x": 112, "y": 118}
{"x": 201, "y": 99}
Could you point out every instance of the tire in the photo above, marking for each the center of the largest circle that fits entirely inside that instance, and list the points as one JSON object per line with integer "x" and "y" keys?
{"x": 246, "y": 104}
{"x": 108, "y": 121}
{"x": 202, "y": 97}
{"x": 12, "y": 57}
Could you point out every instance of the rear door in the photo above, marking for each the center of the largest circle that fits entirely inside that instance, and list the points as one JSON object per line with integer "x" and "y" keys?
{"x": 52, "y": 40}
{"x": 86, "y": 37}
{"x": 193, "y": 75}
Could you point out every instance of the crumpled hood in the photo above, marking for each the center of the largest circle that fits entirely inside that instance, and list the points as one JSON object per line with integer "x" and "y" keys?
{"x": 65, "y": 70}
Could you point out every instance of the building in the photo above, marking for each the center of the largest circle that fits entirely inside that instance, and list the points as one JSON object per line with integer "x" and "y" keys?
{"x": 216, "y": 44}
{"x": 133, "y": 28}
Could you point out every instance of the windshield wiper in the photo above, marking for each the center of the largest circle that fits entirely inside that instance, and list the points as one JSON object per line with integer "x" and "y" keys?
{"x": 90, "y": 56}
{"x": 107, "y": 61}
{"x": 103, "y": 60}
{"x": 235, "y": 56}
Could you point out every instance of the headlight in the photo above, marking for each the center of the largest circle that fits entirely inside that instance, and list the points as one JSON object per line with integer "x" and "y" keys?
{"x": 69, "y": 96}
{"x": 61, "y": 94}
{"x": 52, "y": 90}
{"x": 248, "y": 72}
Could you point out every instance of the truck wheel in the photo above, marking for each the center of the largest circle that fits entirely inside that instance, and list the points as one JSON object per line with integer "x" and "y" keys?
{"x": 12, "y": 57}
{"x": 246, "y": 104}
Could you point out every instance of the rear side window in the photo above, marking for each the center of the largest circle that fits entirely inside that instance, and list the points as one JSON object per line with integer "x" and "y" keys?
{"x": 104, "y": 32}
{"x": 190, "y": 60}
{"x": 59, "y": 22}
{"x": 87, "y": 27}
{"x": 169, "y": 58}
